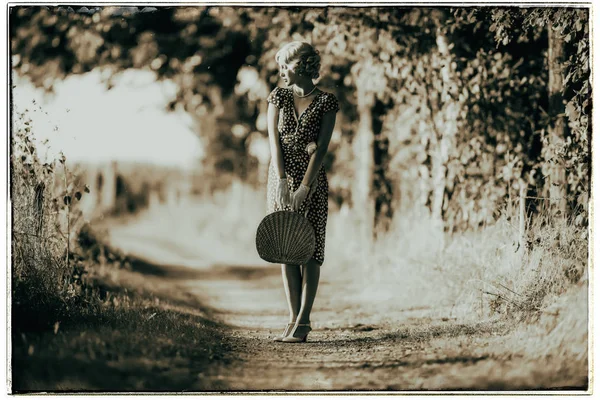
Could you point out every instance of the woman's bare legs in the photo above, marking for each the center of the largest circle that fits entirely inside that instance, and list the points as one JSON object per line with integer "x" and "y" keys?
{"x": 310, "y": 282}
{"x": 292, "y": 283}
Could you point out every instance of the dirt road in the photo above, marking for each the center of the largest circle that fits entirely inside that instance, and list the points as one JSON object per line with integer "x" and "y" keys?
{"x": 354, "y": 345}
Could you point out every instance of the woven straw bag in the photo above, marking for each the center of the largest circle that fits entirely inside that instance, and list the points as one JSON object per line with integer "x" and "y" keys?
{"x": 285, "y": 237}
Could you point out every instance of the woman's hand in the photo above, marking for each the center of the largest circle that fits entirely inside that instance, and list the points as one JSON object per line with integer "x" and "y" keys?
{"x": 299, "y": 196}
{"x": 282, "y": 194}
{"x": 318, "y": 151}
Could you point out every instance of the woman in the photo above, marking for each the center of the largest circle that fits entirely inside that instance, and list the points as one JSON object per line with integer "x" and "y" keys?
{"x": 300, "y": 116}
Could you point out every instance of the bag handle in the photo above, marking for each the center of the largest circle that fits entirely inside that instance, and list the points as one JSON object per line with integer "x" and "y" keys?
{"x": 311, "y": 191}
{"x": 279, "y": 208}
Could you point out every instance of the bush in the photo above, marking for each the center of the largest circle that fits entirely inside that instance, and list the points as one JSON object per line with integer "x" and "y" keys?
{"x": 45, "y": 219}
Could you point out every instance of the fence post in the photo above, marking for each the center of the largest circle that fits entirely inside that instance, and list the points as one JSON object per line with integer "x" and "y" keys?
{"x": 522, "y": 198}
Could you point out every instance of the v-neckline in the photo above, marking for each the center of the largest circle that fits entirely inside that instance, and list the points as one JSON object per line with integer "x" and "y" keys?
{"x": 296, "y": 115}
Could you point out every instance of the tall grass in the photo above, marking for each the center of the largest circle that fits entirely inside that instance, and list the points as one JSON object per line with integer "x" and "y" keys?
{"x": 540, "y": 291}
{"x": 80, "y": 319}
{"x": 473, "y": 274}
{"x": 46, "y": 279}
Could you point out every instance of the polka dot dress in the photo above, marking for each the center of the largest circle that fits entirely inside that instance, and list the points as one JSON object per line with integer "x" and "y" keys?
{"x": 295, "y": 133}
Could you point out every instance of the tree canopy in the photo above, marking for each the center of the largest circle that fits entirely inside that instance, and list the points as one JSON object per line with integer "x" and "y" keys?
{"x": 451, "y": 109}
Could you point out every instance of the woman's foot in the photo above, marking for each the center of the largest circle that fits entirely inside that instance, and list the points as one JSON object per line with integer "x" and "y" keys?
{"x": 286, "y": 332}
{"x": 298, "y": 334}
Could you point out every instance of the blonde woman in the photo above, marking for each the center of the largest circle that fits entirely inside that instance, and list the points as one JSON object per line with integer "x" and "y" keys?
{"x": 301, "y": 118}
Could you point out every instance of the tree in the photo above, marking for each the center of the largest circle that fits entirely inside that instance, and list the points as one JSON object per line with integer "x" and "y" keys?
{"x": 437, "y": 122}
{"x": 368, "y": 46}
{"x": 197, "y": 47}
{"x": 564, "y": 158}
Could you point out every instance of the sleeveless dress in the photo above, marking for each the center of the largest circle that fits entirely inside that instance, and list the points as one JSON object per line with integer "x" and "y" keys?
{"x": 295, "y": 133}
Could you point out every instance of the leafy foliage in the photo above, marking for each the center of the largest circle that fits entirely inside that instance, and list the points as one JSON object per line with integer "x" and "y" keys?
{"x": 46, "y": 222}
{"x": 459, "y": 111}
{"x": 513, "y": 28}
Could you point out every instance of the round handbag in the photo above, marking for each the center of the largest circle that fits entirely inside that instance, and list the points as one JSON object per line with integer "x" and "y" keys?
{"x": 285, "y": 237}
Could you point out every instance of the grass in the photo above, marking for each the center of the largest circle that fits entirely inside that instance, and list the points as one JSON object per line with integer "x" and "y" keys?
{"x": 94, "y": 348}
{"x": 80, "y": 319}
{"x": 541, "y": 293}
{"x": 44, "y": 222}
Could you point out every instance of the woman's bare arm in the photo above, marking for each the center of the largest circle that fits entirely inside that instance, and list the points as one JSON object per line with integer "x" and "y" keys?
{"x": 327, "y": 125}
{"x": 276, "y": 153}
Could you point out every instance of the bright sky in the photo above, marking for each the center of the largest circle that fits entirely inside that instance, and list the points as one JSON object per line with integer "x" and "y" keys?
{"x": 127, "y": 123}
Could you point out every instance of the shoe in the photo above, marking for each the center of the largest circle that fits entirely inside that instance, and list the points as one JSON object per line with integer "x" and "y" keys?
{"x": 286, "y": 332}
{"x": 293, "y": 339}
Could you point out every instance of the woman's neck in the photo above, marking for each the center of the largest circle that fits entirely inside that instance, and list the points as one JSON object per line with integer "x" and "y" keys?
{"x": 302, "y": 88}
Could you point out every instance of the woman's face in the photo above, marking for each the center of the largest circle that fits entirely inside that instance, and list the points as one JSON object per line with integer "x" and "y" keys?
{"x": 287, "y": 72}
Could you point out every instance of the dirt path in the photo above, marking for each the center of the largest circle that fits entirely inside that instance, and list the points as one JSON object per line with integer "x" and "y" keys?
{"x": 354, "y": 345}
{"x": 351, "y": 348}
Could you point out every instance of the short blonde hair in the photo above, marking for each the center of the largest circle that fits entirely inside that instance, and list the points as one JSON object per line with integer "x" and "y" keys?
{"x": 309, "y": 60}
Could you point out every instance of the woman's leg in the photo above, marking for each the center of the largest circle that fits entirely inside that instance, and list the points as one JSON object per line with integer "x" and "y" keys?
{"x": 310, "y": 282}
{"x": 292, "y": 282}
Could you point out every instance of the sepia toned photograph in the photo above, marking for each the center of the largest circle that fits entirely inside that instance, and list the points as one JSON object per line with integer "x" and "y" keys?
{"x": 299, "y": 198}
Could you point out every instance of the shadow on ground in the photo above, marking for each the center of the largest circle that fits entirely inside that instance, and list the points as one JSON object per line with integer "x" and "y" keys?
{"x": 133, "y": 348}
{"x": 216, "y": 272}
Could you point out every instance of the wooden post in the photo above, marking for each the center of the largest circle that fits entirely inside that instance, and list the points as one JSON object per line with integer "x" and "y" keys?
{"x": 107, "y": 188}
{"x": 556, "y": 185}
{"x": 362, "y": 199}
{"x": 522, "y": 216}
